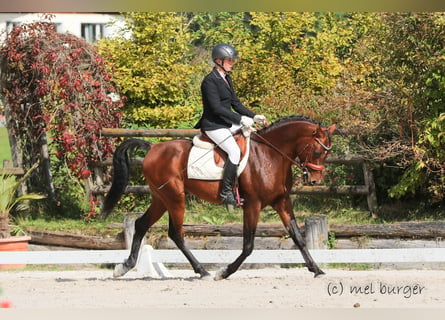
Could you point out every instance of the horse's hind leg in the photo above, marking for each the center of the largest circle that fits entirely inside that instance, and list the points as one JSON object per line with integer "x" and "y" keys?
{"x": 284, "y": 209}
{"x": 141, "y": 226}
{"x": 175, "y": 232}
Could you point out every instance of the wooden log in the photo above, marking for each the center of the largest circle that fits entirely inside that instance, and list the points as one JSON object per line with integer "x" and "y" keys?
{"x": 74, "y": 240}
{"x": 225, "y": 243}
{"x": 334, "y": 159}
{"x": 236, "y": 230}
{"x": 428, "y": 230}
{"x": 369, "y": 181}
{"x": 394, "y": 243}
{"x": 117, "y": 132}
{"x": 12, "y": 171}
{"x": 434, "y": 229}
{"x": 403, "y": 231}
{"x": 230, "y": 236}
{"x": 101, "y": 190}
{"x": 348, "y": 189}
{"x": 316, "y": 232}
{"x": 346, "y": 159}
{"x": 359, "y": 189}
{"x": 109, "y": 161}
{"x": 273, "y": 243}
{"x": 226, "y": 230}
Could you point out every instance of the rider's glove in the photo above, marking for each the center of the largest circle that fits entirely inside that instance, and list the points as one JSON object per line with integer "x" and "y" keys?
{"x": 246, "y": 121}
{"x": 260, "y": 119}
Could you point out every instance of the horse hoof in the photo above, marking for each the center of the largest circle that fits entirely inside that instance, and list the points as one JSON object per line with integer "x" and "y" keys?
{"x": 220, "y": 274}
{"x": 319, "y": 274}
{"x": 119, "y": 270}
{"x": 206, "y": 277}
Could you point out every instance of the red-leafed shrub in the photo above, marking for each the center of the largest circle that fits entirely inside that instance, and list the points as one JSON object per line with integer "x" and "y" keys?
{"x": 57, "y": 88}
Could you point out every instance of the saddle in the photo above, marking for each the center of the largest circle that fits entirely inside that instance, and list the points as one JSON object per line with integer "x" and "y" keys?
{"x": 220, "y": 156}
{"x": 206, "y": 160}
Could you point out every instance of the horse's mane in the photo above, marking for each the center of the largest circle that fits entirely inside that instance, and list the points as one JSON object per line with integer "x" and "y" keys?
{"x": 288, "y": 119}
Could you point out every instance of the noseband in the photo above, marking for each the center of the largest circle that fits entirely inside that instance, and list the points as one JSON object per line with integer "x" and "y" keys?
{"x": 308, "y": 161}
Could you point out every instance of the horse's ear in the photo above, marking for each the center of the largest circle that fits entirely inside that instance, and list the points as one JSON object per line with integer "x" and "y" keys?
{"x": 332, "y": 128}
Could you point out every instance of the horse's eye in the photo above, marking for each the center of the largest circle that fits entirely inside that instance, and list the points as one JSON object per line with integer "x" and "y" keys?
{"x": 317, "y": 154}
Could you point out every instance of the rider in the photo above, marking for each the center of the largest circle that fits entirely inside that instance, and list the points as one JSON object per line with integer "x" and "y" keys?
{"x": 219, "y": 121}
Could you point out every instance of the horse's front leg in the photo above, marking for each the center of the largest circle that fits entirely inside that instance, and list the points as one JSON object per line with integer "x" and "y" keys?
{"x": 284, "y": 209}
{"x": 141, "y": 226}
{"x": 251, "y": 216}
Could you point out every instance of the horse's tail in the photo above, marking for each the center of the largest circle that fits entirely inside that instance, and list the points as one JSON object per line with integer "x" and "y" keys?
{"x": 121, "y": 166}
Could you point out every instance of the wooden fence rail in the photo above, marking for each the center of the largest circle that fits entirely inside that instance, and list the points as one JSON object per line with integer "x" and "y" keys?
{"x": 98, "y": 188}
{"x": 8, "y": 169}
{"x": 315, "y": 231}
{"x": 422, "y": 233}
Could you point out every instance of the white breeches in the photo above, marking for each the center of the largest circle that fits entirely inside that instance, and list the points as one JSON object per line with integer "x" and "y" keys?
{"x": 225, "y": 140}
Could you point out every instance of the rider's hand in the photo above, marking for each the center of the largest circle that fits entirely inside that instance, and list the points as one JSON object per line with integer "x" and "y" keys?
{"x": 246, "y": 121}
{"x": 260, "y": 119}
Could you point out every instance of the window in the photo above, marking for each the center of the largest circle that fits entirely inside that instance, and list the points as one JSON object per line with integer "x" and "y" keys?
{"x": 58, "y": 27}
{"x": 10, "y": 25}
{"x": 92, "y": 31}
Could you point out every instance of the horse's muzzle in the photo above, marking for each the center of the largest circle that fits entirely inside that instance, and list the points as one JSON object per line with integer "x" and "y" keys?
{"x": 311, "y": 179}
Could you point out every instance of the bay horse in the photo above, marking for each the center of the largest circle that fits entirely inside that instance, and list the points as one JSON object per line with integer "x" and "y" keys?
{"x": 266, "y": 180}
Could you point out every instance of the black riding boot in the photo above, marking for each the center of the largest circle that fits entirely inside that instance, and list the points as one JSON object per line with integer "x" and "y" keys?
{"x": 229, "y": 176}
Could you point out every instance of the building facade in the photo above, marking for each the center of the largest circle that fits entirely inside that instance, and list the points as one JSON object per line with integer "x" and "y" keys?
{"x": 91, "y": 26}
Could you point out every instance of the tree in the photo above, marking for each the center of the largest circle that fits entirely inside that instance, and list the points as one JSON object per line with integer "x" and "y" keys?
{"x": 379, "y": 75}
{"x": 153, "y": 67}
{"x": 57, "y": 86}
{"x": 405, "y": 83}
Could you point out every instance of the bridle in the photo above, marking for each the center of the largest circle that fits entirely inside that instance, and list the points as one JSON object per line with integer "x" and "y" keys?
{"x": 307, "y": 163}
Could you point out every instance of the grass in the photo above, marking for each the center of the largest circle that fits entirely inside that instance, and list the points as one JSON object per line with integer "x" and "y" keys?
{"x": 5, "y": 153}
{"x": 198, "y": 212}
{"x": 76, "y": 226}
{"x": 338, "y": 211}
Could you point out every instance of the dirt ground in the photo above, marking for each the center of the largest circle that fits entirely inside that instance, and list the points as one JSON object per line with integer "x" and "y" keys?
{"x": 265, "y": 288}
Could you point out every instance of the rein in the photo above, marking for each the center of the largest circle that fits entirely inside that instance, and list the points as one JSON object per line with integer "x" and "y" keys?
{"x": 306, "y": 163}
{"x": 276, "y": 149}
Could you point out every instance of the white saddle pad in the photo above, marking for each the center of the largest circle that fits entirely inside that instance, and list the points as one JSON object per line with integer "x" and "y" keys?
{"x": 201, "y": 163}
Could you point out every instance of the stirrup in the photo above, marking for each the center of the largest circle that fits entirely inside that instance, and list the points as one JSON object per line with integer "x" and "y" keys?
{"x": 239, "y": 200}
{"x": 229, "y": 199}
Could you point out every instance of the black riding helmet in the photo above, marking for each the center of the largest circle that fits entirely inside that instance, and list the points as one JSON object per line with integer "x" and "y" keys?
{"x": 223, "y": 51}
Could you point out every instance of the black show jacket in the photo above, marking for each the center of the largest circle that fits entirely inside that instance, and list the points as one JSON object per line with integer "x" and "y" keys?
{"x": 218, "y": 100}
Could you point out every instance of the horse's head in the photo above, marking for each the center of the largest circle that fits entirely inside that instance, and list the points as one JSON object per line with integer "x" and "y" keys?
{"x": 300, "y": 138}
{"x": 314, "y": 153}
